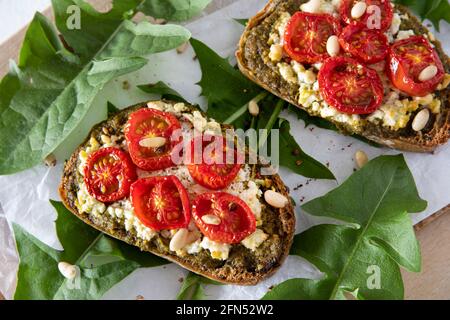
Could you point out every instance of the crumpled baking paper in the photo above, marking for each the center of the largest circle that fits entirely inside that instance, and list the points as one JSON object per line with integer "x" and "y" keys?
{"x": 24, "y": 196}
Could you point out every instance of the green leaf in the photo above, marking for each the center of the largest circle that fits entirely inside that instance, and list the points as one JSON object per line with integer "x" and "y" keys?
{"x": 192, "y": 288}
{"x": 433, "y": 10}
{"x": 163, "y": 90}
{"x": 295, "y": 159}
{"x": 69, "y": 228}
{"x": 222, "y": 84}
{"x": 96, "y": 28}
{"x": 94, "y": 282}
{"x": 111, "y": 108}
{"x": 241, "y": 21}
{"x": 102, "y": 261}
{"x": 174, "y": 10}
{"x": 375, "y": 202}
{"x": 49, "y": 93}
{"x": 38, "y": 274}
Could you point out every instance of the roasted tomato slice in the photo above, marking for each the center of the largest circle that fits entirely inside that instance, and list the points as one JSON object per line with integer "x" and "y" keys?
{"x": 108, "y": 174}
{"x": 214, "y": 162}
{"x": 161, "y": 202}
{"x": 349, "y": 86}
{"x": 407, "y": 59}
{"x": 306, "y": 36}
{"x": 150, "y": 123}
{"x": 223, "y": 217}
{"x": 370, "y": 18}
{"x": 366, "y": 45}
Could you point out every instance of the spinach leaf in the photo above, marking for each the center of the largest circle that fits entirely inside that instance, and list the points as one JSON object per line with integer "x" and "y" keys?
{"x": 241, "y": 21}
{"x": 295, "y": 159}
{"x": 192, "y": 288}
{"x": 363, "y": 256}
{"x": 96, "y": 28}
{"x": 111, "y": 108}
{"x": 433, "y": 10}
{"x": 39, "y": 277}
{"x": 163, "y": 90}
{"x": 222, "y": 84}
{"x": 173, "y": 10}
{"x": 49, "y": 92}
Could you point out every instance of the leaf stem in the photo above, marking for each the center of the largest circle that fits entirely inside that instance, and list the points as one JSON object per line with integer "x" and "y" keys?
{"x": 276, "y": 112}
{"x": 244, "y": 108}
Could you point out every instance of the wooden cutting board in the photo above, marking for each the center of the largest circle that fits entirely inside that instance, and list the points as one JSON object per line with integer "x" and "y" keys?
{"x": 433, "y": 233}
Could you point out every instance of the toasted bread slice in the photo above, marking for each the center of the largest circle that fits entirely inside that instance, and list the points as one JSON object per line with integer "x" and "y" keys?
{"x": 243, "y": 266}
{"x": 252, "y": 56}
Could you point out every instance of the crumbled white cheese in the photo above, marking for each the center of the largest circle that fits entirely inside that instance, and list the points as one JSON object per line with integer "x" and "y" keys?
{"x": 194, "y": 247}
{"x": 405, "y": 34}
{"x": 328, "y": 7}
{"x": 282, "y": 23}
{"x": 247, "y": 190}
{"x": 218, "y": 250}
{"x": 87, "y": 203}
{"x": 287, "y": 73}
{"x": 276, "y": 52}
{"x": 254, "y": 240}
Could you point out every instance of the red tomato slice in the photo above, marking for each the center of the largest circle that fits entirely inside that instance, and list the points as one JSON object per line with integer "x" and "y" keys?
{"x": 237, "y": 220}
{"x": 108, "y": 174}
{"x": 349, "y": 86}
{"x": 161, "y": 202}
{"x": 369, "y": 19}
{"x": 368, "y": 46}
{"x": 209, "y": 165}
{"x": 306, "y": 36}
{"x": 407, "y": 59}
{"x": 147, "y": 123}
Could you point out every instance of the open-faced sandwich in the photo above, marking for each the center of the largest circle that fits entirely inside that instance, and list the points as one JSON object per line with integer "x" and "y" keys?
{"x": 222, "y": 220}
{"x": 368, "y": 66}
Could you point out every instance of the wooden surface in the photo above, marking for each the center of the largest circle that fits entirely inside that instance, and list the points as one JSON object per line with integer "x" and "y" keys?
{"x": 433, "y": 233}
{"x": 434, "y": 280}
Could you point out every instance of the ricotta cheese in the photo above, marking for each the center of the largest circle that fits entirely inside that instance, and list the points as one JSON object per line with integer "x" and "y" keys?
{"x": 254, "y": 240}
{"x": 219, "y": 251}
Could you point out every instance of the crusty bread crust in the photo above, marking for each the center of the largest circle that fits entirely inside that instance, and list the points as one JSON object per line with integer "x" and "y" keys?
{"x": 225, "y": 274}
{"x": 407, "y": 140}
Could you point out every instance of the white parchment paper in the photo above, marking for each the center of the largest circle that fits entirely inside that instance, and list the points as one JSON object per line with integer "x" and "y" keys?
{"x": 24, "y": 196}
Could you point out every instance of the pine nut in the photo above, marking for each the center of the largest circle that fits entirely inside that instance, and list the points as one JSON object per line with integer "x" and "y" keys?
{"x": 428, "y": 73}
{"x": 182, "y": 48}
{"x": 153, "y": 142}
{"x": 67, "y": 270}
{"x": 361, "y": 158}
{"x": 421, "y": 120}
{"x": 359, "y": 9}
{"x": 211, "y": 219}
{"x": 179, "y": 240}
{"x": 50, "y": 160}
{"x": 275, "y": 199}
{"x": 313, "y": 6}
{"x": 253, "y": 108}
{"x": 333, "y": 46}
